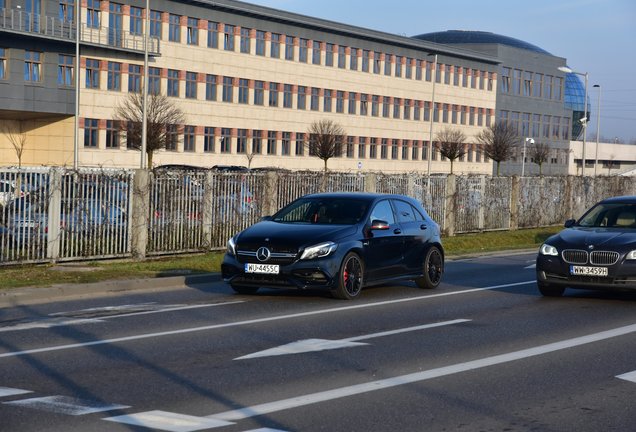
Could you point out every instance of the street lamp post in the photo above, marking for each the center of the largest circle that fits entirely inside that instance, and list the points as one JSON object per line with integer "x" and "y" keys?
{"x": 584, "y": 119}
{"x": 598, "y": 126}
{"x": 523, "y": 161}
{"x": 432, "y": 114}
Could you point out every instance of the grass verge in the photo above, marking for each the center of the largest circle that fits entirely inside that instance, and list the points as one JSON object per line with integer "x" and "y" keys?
{"x": 87, "y": 272}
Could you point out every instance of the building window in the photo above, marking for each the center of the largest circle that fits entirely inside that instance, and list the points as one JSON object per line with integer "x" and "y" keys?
{"x": 286, "y": 144}
{"x": 113, "y": 134}
{"x": 373, "y": 148}
{"x": 366, "y": 58}
{"x": 213, "y": 34}
{"x": 65, "y": 69}
{"x": 364, "y": 104}
{"x": 445, "y": 110}
{"x": 191, "y": 85}
{"x": 245, "y": 40}
{"x": 271, "y": 142}
{"x": 300, "y": 144}
{"x": 91, "y": 132}
{"x": 193, "y": 31}
{"x": 289, "y": 48}
{"x": 210, "y": 87}
{"x": 226, "y": 140}
{"x": 66, "y": 11}
{"x": 93, "y": 13}
{"x": 92, "y": 73}
{"x": 362, "y": 152}
{"x": 114, "y": 76}
{"x": 135, "y": 20}
{"x": 537, "y": 85}
{"x": 173, "y": 82}
{"x": 387, "y": 64}
{"x": 32, "y": 66}
{"x": 350, "y": 149}
{"x": 259, "y": 92}
{"x": 384, "y": 149}
{"x": 505, "y": 80}
{"x": 260, "y": 43}
{"x": 257, "y": 141}
{"x": 415, "y": 150}
{"x": 353, "y": 59}
{"x": 329, "y": 54}
{"x": 339, "y": 101}
{"x": 315, "y": 99}
{"x": 273, "y": 94}
{"x": 316, "y": 54}
{"x": 375, "y": 105}
{"x": 243, "y": 91}
{"x": 154, "y": 80}
{"x": 302, "y": 98}
{"x": 287, "y": 96}
{"x": 416, "y": 111}
{"x": 396, "y": 107}
{"x": 228, "y": 92}
{"x": 352, "y": 103}
{"x": 407, "y": 109}
{"x": 394, "y": 149}
{"x": 516, "y": 81}
{"x": 377, "y": 62}
{"x": 275, "y": 46}
{"x": 386, "y": 106}
{"x": 208, "y": 139}
{"x": 174, "y": 28}
{"x": 438, "y": 74}
{"x": 342, "y": 56}
{"x": 303, "y": 50}
{"x": 241, "y": 141}
{"x": 405, "y": 150}
{"x": 134, "y": 78}
{"x": 408, "y": 69}
{"x": 558, "y": 88}
{"x": 547, "y": 87}
{"x": 155, "y": 24}
{"x": 398, "y": 66}
{"x": 189, "y": 139}
{"x": 228, "y": 38}
{"x": 419, "y": 64}
{"x": 172, "y": 138}
{"x": 327, "y": 95}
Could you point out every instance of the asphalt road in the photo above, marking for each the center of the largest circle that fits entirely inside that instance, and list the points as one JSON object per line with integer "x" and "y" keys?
{"x": 484, "y": 352}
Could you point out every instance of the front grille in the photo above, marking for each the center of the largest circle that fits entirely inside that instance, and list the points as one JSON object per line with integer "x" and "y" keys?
{"x": 574, "y": 256}
{"x": 604, "y": 258}
{"x": 274, "y": 258}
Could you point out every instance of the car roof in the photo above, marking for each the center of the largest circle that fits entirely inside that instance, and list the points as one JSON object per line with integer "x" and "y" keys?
{"x": 627, "y": 199}
{"x": 371, "y": 196}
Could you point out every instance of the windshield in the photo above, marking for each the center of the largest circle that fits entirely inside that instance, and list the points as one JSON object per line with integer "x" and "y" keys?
{"x": 324, "y": 211}
{"x": 611, "y": 215}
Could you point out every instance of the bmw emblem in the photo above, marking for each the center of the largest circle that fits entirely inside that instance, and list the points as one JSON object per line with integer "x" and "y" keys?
{"x": 263, "y": 254}
{"x": 590, "y": 247}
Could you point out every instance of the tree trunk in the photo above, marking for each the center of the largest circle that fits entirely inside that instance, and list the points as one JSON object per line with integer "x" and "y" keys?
{"x": 149, "y": 153}
{"x": 324, "y": 178}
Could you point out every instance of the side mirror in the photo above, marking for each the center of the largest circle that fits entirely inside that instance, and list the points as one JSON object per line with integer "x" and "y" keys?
{"x": 569, "y": 223}
{"x": 379, "y": 225}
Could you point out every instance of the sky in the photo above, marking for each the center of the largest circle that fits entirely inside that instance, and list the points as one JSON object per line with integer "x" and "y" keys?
{"x": 595, "y": 36}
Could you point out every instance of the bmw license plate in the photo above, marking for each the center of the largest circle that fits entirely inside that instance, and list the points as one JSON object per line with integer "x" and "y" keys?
{"x": 588, "y": 271}
{"x": 262, "y": 268}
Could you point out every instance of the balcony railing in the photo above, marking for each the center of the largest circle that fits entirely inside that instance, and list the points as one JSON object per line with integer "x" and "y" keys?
{"x": 18, "y": 21}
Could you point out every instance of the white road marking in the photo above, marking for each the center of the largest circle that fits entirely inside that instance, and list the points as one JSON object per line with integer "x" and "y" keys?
{"x": 65, "y": 405}
{"x": 8, "y": 391}
{"x": 49, "y": 323}
{"x": 631, "y": 376}
{"x": 533, "y": 266}
{"x": 255, "y": 321}
{"x": 357, "y": 389}
{"x": 265, "y": 430}
{"x": 313, "y": 345}
{"x": 168, "y": 421}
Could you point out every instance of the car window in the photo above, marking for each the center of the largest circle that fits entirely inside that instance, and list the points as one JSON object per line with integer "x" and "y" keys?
{"x": 382, "y": 211}
{"x": 404, "y": 211}
{"x": 610, "y": 215}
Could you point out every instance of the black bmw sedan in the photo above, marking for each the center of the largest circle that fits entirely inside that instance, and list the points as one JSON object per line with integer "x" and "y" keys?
{"x": 596, "y": 252}
{"x": 339, "y": 242}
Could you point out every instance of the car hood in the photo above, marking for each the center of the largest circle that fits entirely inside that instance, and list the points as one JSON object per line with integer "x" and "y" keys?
{"x": 290, "y": 234}
{"x": 581, "y": 238}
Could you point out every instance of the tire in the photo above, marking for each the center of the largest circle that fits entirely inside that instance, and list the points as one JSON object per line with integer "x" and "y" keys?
{"x": 433, "y": 269}
{"x": 245, "y": 289}
{"x": 548, "y": 290}
{"x": 350, "y": 278}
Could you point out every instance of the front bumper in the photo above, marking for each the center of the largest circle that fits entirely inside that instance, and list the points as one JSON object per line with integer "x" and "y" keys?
{"x": 312, "y": 274}
{"x": 554, "y": 271}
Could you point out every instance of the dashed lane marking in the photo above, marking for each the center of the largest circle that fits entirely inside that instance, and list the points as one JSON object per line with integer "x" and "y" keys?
{"x": 631, "y": 376}
{"x": 65, "y": 405}
{"x": 8, "y": 391}
{"x": 167, "y": 421}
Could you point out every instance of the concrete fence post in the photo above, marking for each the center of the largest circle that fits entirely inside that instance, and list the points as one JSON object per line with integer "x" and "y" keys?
{"x": 370, "y": 182}
{"x": 54, "y": 214}
{"x": 515, "y": 202}
{"x": 140, "y": 213}
{"x": 208, "y": 197}
{"x": 270, "y": 196}
{"x": 449, "y": 205}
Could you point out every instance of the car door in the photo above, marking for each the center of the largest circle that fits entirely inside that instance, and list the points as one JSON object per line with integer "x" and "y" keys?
{"x": 415, "y": 232}
{"x": 383, "y": 248}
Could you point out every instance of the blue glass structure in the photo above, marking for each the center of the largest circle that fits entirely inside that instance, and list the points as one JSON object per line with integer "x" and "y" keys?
{"x": 574, "y": 95}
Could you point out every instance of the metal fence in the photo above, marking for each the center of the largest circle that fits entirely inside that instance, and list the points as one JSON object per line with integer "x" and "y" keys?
{"x": 54, "y": 214}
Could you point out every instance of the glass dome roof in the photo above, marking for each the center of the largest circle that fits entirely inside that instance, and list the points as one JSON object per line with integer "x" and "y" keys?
{"x": 477, "y": 37}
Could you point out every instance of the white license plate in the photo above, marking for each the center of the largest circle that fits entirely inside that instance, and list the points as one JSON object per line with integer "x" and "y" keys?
{"x": 588, "y": 271}
{"x": 262, "y": 268}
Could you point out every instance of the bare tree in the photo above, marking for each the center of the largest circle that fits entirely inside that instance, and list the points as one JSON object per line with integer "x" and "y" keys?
{"x": 163, "y": 120}
{"x": 499, "y": 142}
{"x": 539, "y": 153}
{"x": 17, "y": 137}
{"x": 450, "y": 144}
{"x": 326, "y": 140}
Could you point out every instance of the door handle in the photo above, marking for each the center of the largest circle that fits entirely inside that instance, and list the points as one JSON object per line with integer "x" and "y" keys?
{"x": 423, "y": 227}
{"x": 397, "y": 231}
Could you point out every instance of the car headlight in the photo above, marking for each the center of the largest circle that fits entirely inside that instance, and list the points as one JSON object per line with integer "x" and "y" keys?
{"x": 546, "y": 249}
{"x": 631, "y": 255}
{"x": 231, "y": 247}
{"x": 319, "y": 250}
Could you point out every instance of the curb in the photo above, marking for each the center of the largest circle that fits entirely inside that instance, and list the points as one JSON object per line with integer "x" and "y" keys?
{"x": 20, "y": 296}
